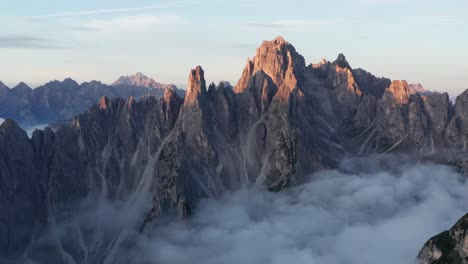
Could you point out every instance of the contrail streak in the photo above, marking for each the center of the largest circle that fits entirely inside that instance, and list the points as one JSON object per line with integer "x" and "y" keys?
{"x": 114, "y": 10}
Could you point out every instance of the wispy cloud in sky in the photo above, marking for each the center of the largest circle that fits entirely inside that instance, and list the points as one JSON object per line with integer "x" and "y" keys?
{"x": 380, "y": 2}
{"x": 296, "y": 23}
{"x": 26, "y": 42}
{"x": 80, "y": 28}
{"x": 134, "y": 23}
{"x": 113, "y": 10}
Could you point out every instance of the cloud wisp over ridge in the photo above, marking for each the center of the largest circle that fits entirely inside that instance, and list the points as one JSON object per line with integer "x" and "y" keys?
{"x": 297, "y": 23}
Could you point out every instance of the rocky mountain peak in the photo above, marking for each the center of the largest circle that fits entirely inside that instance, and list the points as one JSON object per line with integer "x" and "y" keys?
{"x": 10, "y": 127}
{"x": 323, "y": 61}
{"x": 21, "y": 89}
{"x": 399, "y": 91}
{"x": 2, "y": 85}
{"x": 417, "y": 88}
{"x": 371, "y": 84}
{"x": 280, "y": 40}
{"x": 279, "y": 60}
{"x": 22, "y": 86}
{"x": 138, "y": 79}
{"x": 196, "y": 85}
{"x": 341, "y": 61}
{"x": 69, "y": 82}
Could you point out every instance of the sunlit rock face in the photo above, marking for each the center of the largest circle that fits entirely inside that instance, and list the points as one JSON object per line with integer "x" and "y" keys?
{"x": 282, "y": 122}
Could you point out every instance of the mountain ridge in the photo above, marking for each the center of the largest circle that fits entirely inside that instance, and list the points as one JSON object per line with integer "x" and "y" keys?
{"x": 283, "y": 121}
{"x": 61, "y": 100}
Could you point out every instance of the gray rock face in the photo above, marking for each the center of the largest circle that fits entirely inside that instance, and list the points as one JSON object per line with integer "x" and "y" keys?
{"x": 21, "y": 191}
{"x": 281, "y": 122}
{"x": 370, "y": 84}
{"x": 447, "y": 247}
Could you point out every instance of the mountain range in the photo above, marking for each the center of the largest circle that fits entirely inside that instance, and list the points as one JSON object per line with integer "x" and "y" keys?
{"x": 283, "y": 121}
{"x": 57, "y": 100}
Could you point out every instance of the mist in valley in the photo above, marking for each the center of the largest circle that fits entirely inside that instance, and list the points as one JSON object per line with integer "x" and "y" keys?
{"x": 370, "y": 210}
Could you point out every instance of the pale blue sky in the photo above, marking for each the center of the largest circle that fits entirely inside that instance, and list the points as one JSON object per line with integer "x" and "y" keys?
{"x": 420, "y": 41}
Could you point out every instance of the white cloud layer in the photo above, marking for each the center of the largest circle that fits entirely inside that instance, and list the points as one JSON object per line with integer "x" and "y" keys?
{"x": 370, "y": 216}
{"x": 370, "y": 211}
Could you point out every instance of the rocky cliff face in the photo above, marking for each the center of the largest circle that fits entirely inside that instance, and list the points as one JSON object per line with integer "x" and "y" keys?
{"x": 447, "y": 247}
{"x": 280, "y": 123}
{"x": 63, "y": 100}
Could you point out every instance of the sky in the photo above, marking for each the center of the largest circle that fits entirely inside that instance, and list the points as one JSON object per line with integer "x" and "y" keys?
{"x": 419, "y": 41}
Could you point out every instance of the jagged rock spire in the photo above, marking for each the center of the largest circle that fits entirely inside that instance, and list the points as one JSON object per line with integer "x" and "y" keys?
{"x": 196, "y": 85}
{"x": 341, "y": 61}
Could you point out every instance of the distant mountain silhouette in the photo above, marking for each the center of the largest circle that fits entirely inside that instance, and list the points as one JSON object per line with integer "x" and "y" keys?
{"x": 62, "y": 100}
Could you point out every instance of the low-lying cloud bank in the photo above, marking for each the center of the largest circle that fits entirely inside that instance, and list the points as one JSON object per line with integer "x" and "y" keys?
{"x": 369, "y": 211}
{"x": 372, "y": 211}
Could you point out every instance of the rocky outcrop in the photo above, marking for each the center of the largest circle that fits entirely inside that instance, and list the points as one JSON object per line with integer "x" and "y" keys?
{"x": 447, "y": 247}
{"x": 21, "y": 189}
{"x": 338, "y": 77}
{"x": 400, "y": 121}
{"x": 371, "y": 84}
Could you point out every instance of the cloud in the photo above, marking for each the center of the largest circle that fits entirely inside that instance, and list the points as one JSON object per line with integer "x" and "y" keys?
{"x": 138, "y": 23}
{"x": 366, "y": 213}
{"x": 369, "y": 211}
{"x": 380, "y": 2}
{"x": 295, "y": 23}
{"x": 27, "y": 42}
{"x": 80, "y": 28}
{"x": 113, "y": 10}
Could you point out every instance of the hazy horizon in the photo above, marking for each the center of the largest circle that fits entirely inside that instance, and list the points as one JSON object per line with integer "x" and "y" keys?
{"x": 417, "y": 41}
